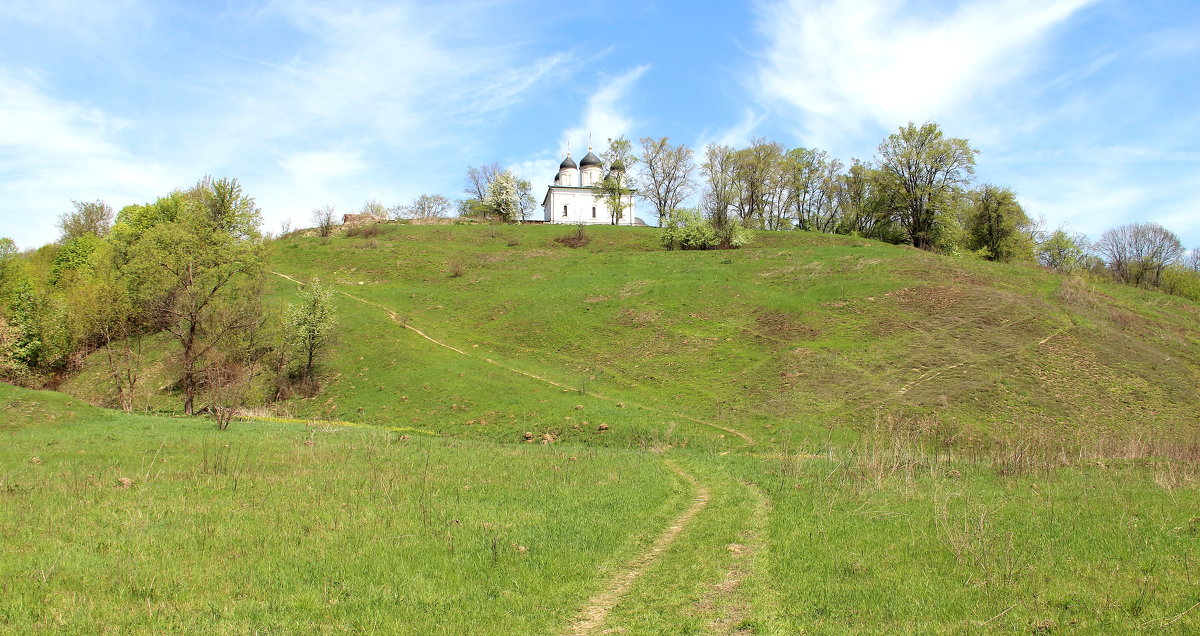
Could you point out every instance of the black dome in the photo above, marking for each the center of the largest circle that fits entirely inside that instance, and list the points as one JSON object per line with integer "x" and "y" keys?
{"x": 618, "y": 167}
{"x": 568, "y": 163}
{"x": 591, "y": 160}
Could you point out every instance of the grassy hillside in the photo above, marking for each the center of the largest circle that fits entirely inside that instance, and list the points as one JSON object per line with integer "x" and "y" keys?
{"x": 819, "y": 434}
{"x": 801, "y": 334}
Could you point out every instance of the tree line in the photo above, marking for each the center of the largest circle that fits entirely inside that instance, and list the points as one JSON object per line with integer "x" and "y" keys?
{"x": 919, "y": 189}
{"x": 191, "y": 267}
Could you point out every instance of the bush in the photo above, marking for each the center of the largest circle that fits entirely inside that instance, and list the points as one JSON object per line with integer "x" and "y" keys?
{"x": 578, "y": 238}
{"x": 363, "y": 230}
{"x": 688, "y": 230}
{"x": 1180, "y": 281}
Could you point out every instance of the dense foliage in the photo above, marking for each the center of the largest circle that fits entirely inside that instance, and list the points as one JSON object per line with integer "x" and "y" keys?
{"x": 190, "y": 265}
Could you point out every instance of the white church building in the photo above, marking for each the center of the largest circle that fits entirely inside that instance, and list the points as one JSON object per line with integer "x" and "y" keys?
{"x": 572, "y": 197}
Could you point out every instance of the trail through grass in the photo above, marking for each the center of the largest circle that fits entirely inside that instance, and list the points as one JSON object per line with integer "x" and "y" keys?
{"x": 816, "y": 435}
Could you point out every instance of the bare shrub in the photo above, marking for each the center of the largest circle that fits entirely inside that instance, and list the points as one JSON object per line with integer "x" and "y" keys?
{"x": 226, "y": 391}
{"x": 363, "y": 230}
{"x": 455, "y": 270}
{"x": 324, "y": 219}
{"x": 577, "y": 238}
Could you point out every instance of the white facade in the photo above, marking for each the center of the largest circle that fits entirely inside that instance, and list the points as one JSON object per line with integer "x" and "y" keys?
{"x": 572, "y": 197}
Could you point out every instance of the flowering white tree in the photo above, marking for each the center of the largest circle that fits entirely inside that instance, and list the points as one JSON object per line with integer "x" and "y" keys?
{"x": 509, "y": 198}
{"x": 311, "y": 322}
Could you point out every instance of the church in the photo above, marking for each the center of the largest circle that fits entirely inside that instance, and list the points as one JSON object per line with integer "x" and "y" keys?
{"x": 572, "y": 197}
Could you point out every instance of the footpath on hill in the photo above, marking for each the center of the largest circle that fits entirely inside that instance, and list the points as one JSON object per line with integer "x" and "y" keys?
{"x": 725, "y": 593}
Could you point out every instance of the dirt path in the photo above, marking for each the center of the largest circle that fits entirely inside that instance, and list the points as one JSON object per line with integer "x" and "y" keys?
{"x": 597, "y": 609}
{"x": 600, "y": 605}
{"x": 729, "y": 599}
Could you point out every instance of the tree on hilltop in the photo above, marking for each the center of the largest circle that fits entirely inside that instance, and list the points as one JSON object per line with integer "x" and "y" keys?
{"x": 667, "y": 176}
{"x": 508, "y": 198}
{"x": 928, "y": 170}
{"x": 1138, "y": 253}
{"x": 996, "y": 225}
{"x": 615, "y": 189}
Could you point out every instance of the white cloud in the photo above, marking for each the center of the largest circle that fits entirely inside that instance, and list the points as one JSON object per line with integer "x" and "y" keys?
{"x": 737, "y": 135}
{"x": 849, "y": 64}
{"x": 322, "y": 166}
{"x": 54, "y": 151}
{"x": 605, "y": 116}
{"x": 539, "y": 172}
{"x": 397, "y": 90}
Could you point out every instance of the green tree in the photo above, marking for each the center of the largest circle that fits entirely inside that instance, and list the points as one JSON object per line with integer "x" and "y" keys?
{"x": 812, "y": 180}
{"x": 928, "y": 171}
{"x": 996, "y": 225}
{"x": 103, "y": 314}
{"x": 758, "y": 171}
{"x": 615, "y": 190}
{"x": 200, "y": 276}
{"x": 39, "y": 321}
{"x": 75, "y": 254}
{"x": 8, "y": 264}
{"x": 230, "y": 210}
{"x": 687, "y": 229}
{"x": 311, "y": 323}
{"x": 720, "y": 186}
{"x": 867, "y": 204}
{"x": 477, "y": 184}
{"x": 1062, "y": 251}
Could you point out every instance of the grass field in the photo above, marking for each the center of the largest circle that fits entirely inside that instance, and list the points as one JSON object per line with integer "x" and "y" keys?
{"x": 285, "y": 528}
{"x": 818, "y": 434}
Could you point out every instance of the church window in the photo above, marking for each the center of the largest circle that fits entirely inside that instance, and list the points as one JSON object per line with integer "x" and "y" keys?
{"x": 593, "y": 211}
{"x": 564, "y": 210}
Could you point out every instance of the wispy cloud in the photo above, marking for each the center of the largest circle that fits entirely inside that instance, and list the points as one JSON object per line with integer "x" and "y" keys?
{"x": 351, "y": 102}
{"x": 54, "y": 151}
{"x": 606, "y": 114}
{"x": 736, "y": 135}
{"x": 849, "y": 64}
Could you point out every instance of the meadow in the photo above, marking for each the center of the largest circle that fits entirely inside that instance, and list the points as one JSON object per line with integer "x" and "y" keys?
{"x": 817, "y": 434}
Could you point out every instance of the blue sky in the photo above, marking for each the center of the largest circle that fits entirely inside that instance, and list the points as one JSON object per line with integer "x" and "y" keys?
{"x": 1089, "y": 109}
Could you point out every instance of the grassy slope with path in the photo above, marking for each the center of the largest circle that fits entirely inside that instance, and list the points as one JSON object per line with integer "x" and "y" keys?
{"x": 943, "y": 444}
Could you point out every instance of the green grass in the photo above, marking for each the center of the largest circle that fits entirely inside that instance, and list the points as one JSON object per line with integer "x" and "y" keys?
{"x": 799, "y": 333}
{"x": 943, "y": 446}
{"x": 256, "y": 529}
{"x": 884, "y": 544}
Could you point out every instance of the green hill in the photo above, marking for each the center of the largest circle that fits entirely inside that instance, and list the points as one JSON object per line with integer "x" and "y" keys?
{"x": 799, "y": 334}
{"x": 817, "y": 434}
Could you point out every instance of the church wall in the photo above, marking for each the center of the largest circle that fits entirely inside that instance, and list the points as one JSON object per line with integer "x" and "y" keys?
{"x": 579, "y": 204}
